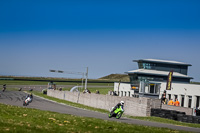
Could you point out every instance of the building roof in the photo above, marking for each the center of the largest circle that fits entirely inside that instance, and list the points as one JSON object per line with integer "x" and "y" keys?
{"x": 162, "y": 61}
{"x": 156, "y": 72}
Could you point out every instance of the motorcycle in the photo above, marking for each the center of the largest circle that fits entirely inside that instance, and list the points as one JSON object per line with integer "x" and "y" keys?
{"x": 117, "y": 113}
{"x": 27, "y": 101}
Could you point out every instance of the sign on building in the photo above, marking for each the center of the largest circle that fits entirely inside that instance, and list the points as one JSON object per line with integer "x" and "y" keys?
{"x": 169, "y": 80}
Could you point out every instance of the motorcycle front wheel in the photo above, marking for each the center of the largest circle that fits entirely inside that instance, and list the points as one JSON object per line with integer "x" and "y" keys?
{"x": 119, "y": 115}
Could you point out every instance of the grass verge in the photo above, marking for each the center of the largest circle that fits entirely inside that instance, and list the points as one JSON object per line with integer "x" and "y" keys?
{"x": 69, "y": 103}
{"x": 103, "y": 91}
{"x": 19, "y": 119}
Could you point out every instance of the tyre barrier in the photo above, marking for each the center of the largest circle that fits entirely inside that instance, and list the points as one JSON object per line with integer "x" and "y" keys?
{"x": 197, "y": 112}
{"x": 44, "y": 91}
{"x": 175, "y": 115}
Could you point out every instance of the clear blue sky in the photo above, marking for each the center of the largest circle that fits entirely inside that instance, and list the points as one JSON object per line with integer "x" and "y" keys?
{"x": 105, "y": 35}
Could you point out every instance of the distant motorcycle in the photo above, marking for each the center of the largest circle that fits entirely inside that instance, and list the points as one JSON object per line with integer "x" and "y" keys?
{"x": 27, "y": 101}
{"x": 117, "y": 113}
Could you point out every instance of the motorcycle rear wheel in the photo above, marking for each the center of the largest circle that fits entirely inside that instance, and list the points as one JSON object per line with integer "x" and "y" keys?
{"x": 24, "y": 104}
{"x": 110, "y": 115}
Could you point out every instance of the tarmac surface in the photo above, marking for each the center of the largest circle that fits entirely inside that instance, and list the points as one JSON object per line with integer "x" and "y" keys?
{"x": 17, "y": 97}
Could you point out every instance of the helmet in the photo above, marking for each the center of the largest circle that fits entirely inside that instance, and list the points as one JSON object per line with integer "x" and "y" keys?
{"x": 122, "y": 102}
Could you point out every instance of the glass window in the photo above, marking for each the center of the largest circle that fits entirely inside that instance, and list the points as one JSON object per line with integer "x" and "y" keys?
{"x": 157, "y": 88}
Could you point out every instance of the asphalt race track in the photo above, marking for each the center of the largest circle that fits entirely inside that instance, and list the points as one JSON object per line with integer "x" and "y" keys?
{"x": 17, "y": 97}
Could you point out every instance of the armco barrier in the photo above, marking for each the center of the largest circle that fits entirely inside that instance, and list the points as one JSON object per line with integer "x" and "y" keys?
{"x": 133, "y": 106}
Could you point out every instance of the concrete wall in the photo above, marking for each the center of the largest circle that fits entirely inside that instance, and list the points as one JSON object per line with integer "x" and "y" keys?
{"x": 133, "y": 106}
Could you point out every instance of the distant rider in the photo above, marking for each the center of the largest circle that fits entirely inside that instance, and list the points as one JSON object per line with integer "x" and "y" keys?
{"x": 27, "y": 96}
{"x": 31, "y": 96}
{"x": 121, "y": 104}
{"x": 28, "y": 99}
{"x": 4, "y": 87}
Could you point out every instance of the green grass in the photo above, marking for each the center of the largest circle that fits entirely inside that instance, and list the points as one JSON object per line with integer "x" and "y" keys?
{"x": 103, "y": 91}
{"x": 154, "y": 119}
{"x": 23, "y": 120}
{"x": 16, "y": 82}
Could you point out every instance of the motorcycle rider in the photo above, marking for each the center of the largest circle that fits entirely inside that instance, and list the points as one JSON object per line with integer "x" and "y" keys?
{"x": 121, "y": 104}
{"x": 4, "y": 87}
{"x": 29, "y": 98}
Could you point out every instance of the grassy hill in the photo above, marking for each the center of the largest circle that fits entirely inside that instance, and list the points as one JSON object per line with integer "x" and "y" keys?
{"x": 117, "y": 77}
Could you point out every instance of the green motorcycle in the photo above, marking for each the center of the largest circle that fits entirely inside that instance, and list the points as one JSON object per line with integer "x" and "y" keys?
{"x": 117, "y": 113}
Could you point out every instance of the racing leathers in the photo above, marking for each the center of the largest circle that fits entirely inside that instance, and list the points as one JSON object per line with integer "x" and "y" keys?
{"x": 117, "y": 106}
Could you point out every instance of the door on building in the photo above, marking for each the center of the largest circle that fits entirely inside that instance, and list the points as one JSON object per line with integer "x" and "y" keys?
{"x": 176, "y": 97}
{"x": 151, "y": 88}
{"x": 169, "y": 95}
{"x": 189, "y": 101}
{"x": 182, "y": 100}
{"x": 198, "y": 100}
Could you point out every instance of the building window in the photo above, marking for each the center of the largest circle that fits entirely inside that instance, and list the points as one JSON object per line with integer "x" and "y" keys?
{"x": 157, "y": 88}
{"x": 146, "y": 66}
{"x": 151, "y": 88}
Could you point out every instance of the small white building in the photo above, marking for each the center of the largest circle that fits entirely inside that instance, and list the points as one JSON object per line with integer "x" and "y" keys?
{"x": 151, "y": 78}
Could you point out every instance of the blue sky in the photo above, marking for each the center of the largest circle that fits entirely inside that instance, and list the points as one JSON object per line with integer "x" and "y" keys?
{"x": 105, "y": 36}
